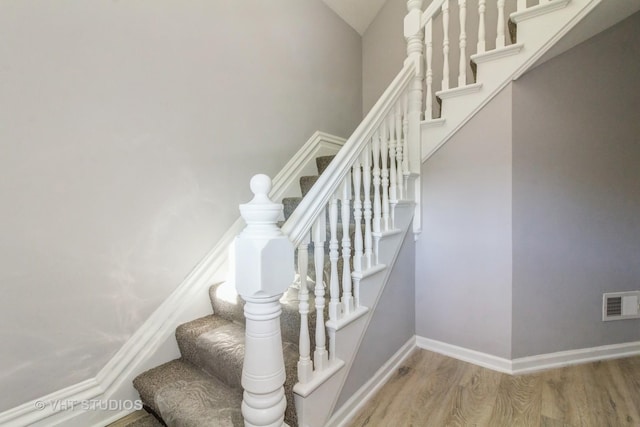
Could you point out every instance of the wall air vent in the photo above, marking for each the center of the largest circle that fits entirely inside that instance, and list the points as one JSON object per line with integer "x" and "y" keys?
{"x": 620, "y": 305}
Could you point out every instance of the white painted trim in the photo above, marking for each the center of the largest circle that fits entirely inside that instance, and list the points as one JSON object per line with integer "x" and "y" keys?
{"x": 360, "y": 398}
{"x": 538, "y": 10}
{"x": 369, "y": 271}
{"x": 319, "y": 377}
{"x": 466, "y": 355}
{"x": 561, "y": 359}
{"x": 153, "y": 333}
{"x": 344, "y": 321}
{"x": 525, "y": 365}
{"x": 512, "y": 49}
{"x": 432, "y": 123}
{"x": 459, "y": 91}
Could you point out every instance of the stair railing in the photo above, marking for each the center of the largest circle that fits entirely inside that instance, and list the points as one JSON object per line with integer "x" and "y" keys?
{"x": 377, "y": 168}
{"x": 447, "y": 38}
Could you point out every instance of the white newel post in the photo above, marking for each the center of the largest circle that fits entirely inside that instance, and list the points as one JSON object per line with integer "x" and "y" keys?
{"x": 414, "y": 34}
{"x": 263, "y": 271}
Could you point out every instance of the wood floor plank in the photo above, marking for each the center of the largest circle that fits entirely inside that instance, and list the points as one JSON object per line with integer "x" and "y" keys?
{"x": 630, "y": 370}
{"x": 564, "y": 397}
{"x": 518, "y": 401}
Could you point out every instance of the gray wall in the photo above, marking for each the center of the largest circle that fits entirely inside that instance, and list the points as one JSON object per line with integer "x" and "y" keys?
{"x": 463, "y": 257}
{"x": 383, "y": 51}
{"x": 576, "y": 186}
{"x": 392, "y": 324}
{"x": 129, "y": 133}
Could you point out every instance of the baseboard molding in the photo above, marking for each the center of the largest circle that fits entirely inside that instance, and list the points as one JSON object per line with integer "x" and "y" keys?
{"x": 466, "y": 355}
{"x": 148, "y": 340}
{"x": 525, "y": 365}
{"x": 351, "y": 407}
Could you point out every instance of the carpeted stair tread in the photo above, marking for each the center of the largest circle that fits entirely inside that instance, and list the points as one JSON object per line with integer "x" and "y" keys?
{"x": 185, "y": 396}
{"x": 322, "y": 162}
{"x": 306, "y": 182}
{"x": 290, "y": 204}
{"x": 216, "y": 346}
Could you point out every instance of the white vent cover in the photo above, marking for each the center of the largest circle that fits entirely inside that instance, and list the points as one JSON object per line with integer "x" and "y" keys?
{"x": 621, "y": 305}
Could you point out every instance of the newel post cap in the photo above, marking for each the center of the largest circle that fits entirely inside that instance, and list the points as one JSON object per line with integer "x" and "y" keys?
{"x": 263, "y": 255}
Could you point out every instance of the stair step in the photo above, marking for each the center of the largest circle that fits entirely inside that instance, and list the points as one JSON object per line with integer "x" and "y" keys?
{"x": 229, "y": 307}
{"x": 322, "y": 162}
{"x": 216, "y": 346}
{"x": 290, "y": 204}
{"x": 183, "y": 395}
{"x": 306, "y": 182}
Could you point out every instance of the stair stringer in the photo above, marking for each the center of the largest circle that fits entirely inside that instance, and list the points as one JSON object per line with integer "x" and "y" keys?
{"x": 537, "y": 34}
{"x": 316, "y": 403}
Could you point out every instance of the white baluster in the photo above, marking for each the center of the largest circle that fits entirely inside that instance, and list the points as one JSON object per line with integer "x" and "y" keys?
{"x": 462, "y": 73}
{"x": 384, "y": 156}
{"x": 366, "y": 185}
{"x": 320, "y": 356}
{"x": 334, "y": 283}
{"x": 263, "y": 370}
{"x": 393, "y": 186}
{"x": 305, "y": 365}
{"x": 500, "y": 39}
{"x": 347, "y": 296}
{"x": 405, "y": 142}
{"x": 358, "y": 244}
{"x": 377, "y": 205}
{"x": 428, "y": 41}
{"x": 399, "y": 151}
{"x": 482, "y": 8}
{"x": 445, "y": 45}
{"x": 522, "y": 5}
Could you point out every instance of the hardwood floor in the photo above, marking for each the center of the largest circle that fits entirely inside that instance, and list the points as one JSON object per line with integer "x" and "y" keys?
{"x": 431, "y": 390}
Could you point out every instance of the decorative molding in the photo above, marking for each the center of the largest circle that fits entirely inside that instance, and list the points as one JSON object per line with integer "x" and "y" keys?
{"x": 360, "y": 398}
{"x": 153, "y": 333}
{"x": 503, "y": 52}
{"x": 525, "y": 365}
{"x": 344, "y": 321}
{"x": 432, "y": 123}
{"x": 459, "y": 91}
{"x": 318, "y": 378}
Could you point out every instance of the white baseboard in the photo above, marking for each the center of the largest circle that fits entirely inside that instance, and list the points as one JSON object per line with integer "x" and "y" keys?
{"x": 466, "y": 355}
{"x": 351, "y": 407}
{"x": 541, "y": 362}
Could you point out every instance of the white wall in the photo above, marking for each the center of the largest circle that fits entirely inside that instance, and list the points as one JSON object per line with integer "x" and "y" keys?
{"x": 463, "y": 257}
{"x": 576, "y": 184}
{"x": 129, "y": 132}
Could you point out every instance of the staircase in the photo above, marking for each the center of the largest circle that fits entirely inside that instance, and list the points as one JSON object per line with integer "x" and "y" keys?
{"x": 351, "y": 221}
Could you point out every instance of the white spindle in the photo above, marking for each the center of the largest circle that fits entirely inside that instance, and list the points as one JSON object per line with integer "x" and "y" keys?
{"x": 366, "y": 185}
{"x": 320, "y": 356}
{"x": 384, "y": 156}
{"x": 358, "y": 242}
{"x": 399, "y": 151}
{"x": 347, "y": 296}
{"x": 500, "y": 39}
{"x": 462, "y": 73}
{"x": 445, "y": 45}
{"x": 393, "y": 143}
{"x": 482, "y": 8}
{"x": 263, "y": 370}
{"x": 428, "y": 40}
{"x": 405, "y": 141}
{"x": 522, "y": 5}
{"x": 377, "y": 204}
{"x": 334, "y": 283}
{"x": 305, "y": 365}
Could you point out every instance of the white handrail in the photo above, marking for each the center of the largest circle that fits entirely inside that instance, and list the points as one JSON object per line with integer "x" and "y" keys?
{"x": 302, "y": 219}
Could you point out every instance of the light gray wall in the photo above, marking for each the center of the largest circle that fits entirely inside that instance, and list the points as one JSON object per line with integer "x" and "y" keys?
{"x": 576, "y": 185}
{"x": 129, "y": 133}
{"x": 392, "y": 323}
{"x": 383, "y": 51}
{"x": 463, "y": 257}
